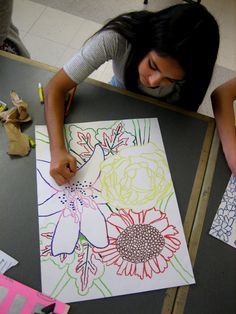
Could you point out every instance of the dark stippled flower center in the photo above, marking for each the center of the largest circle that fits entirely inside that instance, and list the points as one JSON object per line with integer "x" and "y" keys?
{"x": 139, "y": 243}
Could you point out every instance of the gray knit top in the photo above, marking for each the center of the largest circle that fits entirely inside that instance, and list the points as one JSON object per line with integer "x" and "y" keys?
{"x": 109, "y": 45}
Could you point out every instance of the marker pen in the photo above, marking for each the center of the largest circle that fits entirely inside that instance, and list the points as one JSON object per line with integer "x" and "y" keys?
{"x": 41, "y": 97}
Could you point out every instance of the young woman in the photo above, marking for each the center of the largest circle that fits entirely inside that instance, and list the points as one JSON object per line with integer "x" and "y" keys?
{"x": 168, "y": 54}
{"x": 222, "y": 102}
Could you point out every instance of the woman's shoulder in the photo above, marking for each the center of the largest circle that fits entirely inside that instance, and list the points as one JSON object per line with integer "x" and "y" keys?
{"x": 111, "y": 36}
{"x": 111, "y": 41}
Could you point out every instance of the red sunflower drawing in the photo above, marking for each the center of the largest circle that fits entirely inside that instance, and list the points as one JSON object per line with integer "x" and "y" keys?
{"x": 139, "y": 243}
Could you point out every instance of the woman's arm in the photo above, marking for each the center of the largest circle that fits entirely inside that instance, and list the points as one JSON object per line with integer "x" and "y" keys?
{"x": 222, "y": 102}
{"x": 98, "y": 49}
{"x": 63, "y": 164}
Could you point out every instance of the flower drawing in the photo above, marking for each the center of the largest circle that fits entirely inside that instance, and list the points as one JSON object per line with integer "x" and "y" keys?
{"x": 81, "y": 265}
{"x": 76, "y": 206}
{"x": 115, "y": 226}
{"x": 112, "y": 139}
{"x": 62, "y": 260}
{"x": 222, "y": 226}
{"x": 137, "y": 177}
{"x": 140, "y": 244}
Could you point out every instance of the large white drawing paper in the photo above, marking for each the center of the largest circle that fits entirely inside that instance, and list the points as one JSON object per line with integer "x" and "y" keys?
{"x": 224, "y": 223}
{"x": 116, "y": 228}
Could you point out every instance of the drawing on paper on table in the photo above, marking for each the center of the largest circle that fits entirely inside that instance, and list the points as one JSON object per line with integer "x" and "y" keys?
{"x": 116, "y": 225}
{"x": 224, "y": 223}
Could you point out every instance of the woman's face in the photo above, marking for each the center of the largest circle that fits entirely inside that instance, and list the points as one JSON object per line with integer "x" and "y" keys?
{"x": 155, "y": 71}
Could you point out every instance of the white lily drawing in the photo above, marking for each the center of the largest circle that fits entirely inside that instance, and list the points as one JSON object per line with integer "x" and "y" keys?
{"x": 77, "y": 206}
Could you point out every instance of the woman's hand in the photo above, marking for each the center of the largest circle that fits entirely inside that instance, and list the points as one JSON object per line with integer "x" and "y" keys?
{"x": 63, "y": 166}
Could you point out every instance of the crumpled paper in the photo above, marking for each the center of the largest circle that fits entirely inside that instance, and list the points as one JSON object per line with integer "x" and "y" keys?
{"x": 18, "y": 143}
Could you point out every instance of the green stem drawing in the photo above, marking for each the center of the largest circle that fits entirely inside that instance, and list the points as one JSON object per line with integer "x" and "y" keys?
{"x": 181, "y": 266}
{"x": 86, "y": 262}
{"x": 167, "y": 201}
{"x": 144, "y": 132}
{"x": 142, "y": 136}
{"x": 147, "y": 131}
{"x": 139, "y": 132}
{"x": 46, "y": 141}
{"x": 100, "y": 285}
{"x": 38, "y": 132}
{"x": 135, "y": 132}
{"x": 109, "y": 207}
{"x": 40, "y": 140}
{"x": 178, "y": 267}
{"x": 161, "y": 204}
{"x": 61, "y": 284}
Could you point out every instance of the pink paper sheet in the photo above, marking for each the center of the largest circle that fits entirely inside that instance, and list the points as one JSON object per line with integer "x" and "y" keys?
{"x": 17, "y": 298}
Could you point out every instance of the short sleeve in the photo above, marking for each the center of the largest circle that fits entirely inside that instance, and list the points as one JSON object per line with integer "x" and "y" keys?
{"x": 102, "y": 47}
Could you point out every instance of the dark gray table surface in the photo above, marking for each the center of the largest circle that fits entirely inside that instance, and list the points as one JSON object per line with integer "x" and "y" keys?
{"x": 183, "y": 137}
{"x": 215, "y": 265}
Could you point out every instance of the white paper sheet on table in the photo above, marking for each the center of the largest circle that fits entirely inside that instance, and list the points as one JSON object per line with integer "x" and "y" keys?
{"x": 116, "y": 229}
{"x": 224, "y": 224}
{"x": 6, "y": 262}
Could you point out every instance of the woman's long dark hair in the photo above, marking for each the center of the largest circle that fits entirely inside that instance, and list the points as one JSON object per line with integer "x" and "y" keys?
{"x": 186, "y": 32}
